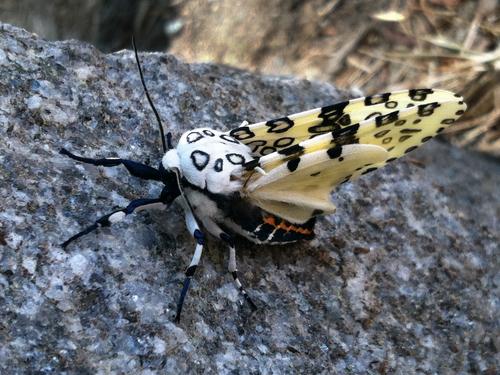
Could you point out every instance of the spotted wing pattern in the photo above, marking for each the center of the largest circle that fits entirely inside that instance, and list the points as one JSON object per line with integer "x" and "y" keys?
{"x": 295, "y": 182}
{"x": 267, "y": 137}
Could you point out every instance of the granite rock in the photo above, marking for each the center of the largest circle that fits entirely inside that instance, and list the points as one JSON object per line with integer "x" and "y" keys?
{"x": 402, "y": 279}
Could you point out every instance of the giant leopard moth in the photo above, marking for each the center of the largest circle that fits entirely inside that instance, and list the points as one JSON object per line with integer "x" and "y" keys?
{"x": 268, "y": 181}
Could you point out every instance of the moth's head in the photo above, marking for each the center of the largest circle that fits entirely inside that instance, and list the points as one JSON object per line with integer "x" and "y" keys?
{"x": 169, "y": 175}
{"x": 170, "y": 161}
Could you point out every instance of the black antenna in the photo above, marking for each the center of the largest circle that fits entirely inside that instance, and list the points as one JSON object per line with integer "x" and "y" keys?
{"x": 162, "y": 133}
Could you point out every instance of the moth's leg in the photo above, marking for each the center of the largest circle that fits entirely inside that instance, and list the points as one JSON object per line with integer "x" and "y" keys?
{"x": 194, "y": 229}
{"x": 136, "y": 169}
{"x": 233, "y": 269}
{"x": 214, "y": 229}
{"x": 244, "y": 123}
{"x": 118, "y": 215}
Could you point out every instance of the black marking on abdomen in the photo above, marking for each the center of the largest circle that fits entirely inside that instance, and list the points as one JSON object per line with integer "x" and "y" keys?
{"x": 263, "y": 232}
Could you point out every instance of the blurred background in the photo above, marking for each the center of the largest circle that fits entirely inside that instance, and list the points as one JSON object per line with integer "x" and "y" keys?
{"x": 373, "y": 46}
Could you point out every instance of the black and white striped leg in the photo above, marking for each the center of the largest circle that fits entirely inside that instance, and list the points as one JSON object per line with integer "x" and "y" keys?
{"x": 136, "y": 169}
{"x": 233, "y": 270}
{"x": 194, "y": 229}
{"x": 118, "y": 215}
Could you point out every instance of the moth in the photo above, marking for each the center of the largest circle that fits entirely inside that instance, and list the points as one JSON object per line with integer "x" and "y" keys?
{"x": 270, "y": 180}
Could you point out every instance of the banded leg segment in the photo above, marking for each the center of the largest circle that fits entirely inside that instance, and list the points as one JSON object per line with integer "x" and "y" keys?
{"x": 234, "y": 270}
{"x": 118, "y": 215}
{"x": 214, "y": 229}
{"x": 194, "y": 229}
{"x": 135, "y": 169}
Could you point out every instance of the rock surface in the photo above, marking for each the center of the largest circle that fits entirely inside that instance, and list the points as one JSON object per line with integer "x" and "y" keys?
{"x": 403, "y": 279}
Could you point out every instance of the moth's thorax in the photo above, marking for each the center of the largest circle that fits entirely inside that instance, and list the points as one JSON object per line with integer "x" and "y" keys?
{"x": 209, "y": 159}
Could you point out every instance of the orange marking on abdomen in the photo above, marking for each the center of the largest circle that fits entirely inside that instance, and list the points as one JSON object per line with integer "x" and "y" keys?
{"x": 271, "y": 220}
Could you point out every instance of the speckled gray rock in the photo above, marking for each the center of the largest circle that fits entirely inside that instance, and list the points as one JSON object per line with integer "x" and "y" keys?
{"x": 403, "y": 279}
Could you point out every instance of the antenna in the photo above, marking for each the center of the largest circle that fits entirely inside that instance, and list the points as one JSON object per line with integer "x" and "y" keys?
{"x": 162, "y": 133}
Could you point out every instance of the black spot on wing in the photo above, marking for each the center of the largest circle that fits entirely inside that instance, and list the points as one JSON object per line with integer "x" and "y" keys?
{"x": 236, "y": 159}
{"x": 333, "y": 111}
{"x": 346, "y": 136}
{"x": 283, "y": 142}
{"x": 377, "y": 99}
{"x": 346, "y": 179}
{"x": 369, "y": 170}
{"x": 334, "y": 152}
{"x": 267, "y": 150}
{"x": 193, "y": 137}
{"x": 293, "y": 164}
{"x": 322, "y": 128}
{"x": 242, "y": 133}
{"x": 410, "y": 131}
{"x": 410, "y": 149}
{"x": 333, "y": 118}
{"x": 279, "y": 125}
{"x": 448, "y": 121}
{"x": 373, "y": 114}
{"x": 254, "y": 145}
{"x": 292, "y": 150}
{"x": 219, "y": 163}
{"x": 425, "y": 110}
{"x": 404, "y": 138}
{"x": 200, "y": 159}
{"x": 387, "y": 119}
{"x": 380, "y": 134}
{"x": 419, "y": 95}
